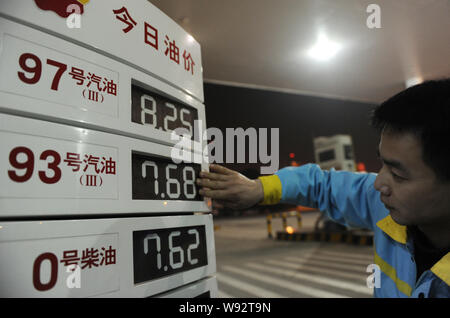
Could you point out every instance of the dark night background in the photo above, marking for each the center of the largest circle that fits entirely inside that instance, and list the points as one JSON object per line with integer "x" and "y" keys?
{"x": 298, "y": 117}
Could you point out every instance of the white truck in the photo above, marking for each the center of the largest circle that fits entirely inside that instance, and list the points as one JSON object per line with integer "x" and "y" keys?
{"x": 335, "y": 152}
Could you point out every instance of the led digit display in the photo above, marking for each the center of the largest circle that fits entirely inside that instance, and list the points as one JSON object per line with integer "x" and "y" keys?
{"x": 160, "y": 112}
{"x": 163, "y": 252}
{"x": 156, "y": 178}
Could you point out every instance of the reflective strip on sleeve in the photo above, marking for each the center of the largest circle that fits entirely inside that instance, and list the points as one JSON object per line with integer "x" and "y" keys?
{"x": 272, "y": 189}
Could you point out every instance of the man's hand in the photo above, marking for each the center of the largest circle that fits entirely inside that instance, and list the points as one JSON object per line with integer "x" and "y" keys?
{"x": 229, "y": 188}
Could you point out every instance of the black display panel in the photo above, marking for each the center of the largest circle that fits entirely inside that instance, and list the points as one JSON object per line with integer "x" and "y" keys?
{"x": 163, "y": 252}
{"x": 160, "y": 112}
{"x": 327, "y": 155}
{"x": 156, "y": 178}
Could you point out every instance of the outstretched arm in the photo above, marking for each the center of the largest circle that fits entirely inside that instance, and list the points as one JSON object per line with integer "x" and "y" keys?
{"x": 347, "y": 198}
{"x": 228, "y": 188}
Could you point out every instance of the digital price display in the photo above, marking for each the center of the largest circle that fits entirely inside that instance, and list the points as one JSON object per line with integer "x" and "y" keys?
{"x": 163, "y": 252}
{"x": 156, "y": 178}
{"x": 159, "y": 112}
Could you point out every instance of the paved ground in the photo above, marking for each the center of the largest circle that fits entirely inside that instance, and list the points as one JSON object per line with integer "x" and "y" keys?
{"x": 249, "y": 264}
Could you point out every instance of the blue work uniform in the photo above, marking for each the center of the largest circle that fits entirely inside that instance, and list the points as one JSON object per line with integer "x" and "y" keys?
{"x": 350, "y": 199}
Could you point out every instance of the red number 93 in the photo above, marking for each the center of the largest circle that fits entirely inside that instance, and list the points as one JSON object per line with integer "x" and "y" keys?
{"x": 28, "y": 165}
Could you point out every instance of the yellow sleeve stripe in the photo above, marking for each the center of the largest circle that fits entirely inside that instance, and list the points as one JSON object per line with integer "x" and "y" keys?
{"x": 272, "y": 189}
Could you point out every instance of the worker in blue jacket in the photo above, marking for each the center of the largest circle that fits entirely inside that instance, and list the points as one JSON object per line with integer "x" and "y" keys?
{"x": 406, "y": 205}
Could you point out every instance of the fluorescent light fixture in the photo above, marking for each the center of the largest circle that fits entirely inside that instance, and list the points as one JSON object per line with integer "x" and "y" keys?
{"x": 324, "y": 49}
{"x": 413, "y": 81}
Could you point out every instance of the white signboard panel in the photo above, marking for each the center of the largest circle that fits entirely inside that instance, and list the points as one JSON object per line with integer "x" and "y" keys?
{"x": 120, "y": 257}
{"x": 54, "y": 169}
{"x": 205, "y": 288}
{"x": 42, "y": 167}
{"x": 134, "y": 31}
{"x": 45, "y": 77}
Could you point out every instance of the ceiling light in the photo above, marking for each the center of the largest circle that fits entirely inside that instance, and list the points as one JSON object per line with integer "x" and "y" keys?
{"x": 190, "y": 38}
{"x": 324, "y": 49}
{"x": 413, "y": 81}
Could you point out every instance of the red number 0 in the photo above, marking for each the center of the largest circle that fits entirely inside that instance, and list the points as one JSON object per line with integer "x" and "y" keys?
{"x": 37, "y": 271}
{"x": 52, "y": 166}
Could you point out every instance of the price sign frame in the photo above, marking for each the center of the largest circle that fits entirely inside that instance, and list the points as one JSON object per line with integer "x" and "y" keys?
{"x": 75, "y": 109}
{"x": 79, "y": 87}
{"x": 28, "y": 247}
{"x": 83, "y": 186}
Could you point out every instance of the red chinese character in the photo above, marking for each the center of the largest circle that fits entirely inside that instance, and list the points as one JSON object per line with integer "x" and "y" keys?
{"x": 109, "y": 166}
{"x": 73, "y": 160}
{"x": 125, "y": 18}
{"x": 78, "y": 74}
{"x": 91, "y": 161}
{"x": 110, "y": 87}
{"x": 89, "y": 258}
{"x": 173, "y": 49}
{"x": 188, "y": 62}
{"x": 151, "y": 35}
{"x": 94, "y": 79}
{"x": 109, "y": 256}
{"x": 70, "y": 258}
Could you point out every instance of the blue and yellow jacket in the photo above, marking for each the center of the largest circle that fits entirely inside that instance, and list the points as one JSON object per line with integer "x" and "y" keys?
{"x": 351, "y": 199}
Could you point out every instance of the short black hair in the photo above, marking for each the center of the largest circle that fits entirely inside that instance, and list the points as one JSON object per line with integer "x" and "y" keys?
{"x": 423, "y": 110}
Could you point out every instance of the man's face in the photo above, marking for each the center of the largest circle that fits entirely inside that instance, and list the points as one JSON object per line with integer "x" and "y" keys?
{"x": 408, "y": 187}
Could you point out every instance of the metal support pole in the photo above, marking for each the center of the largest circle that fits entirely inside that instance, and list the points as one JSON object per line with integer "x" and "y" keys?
{"x": 269, "y": 225}
{"x": 299, "y": 219}
{"x": 284, "y": 217}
